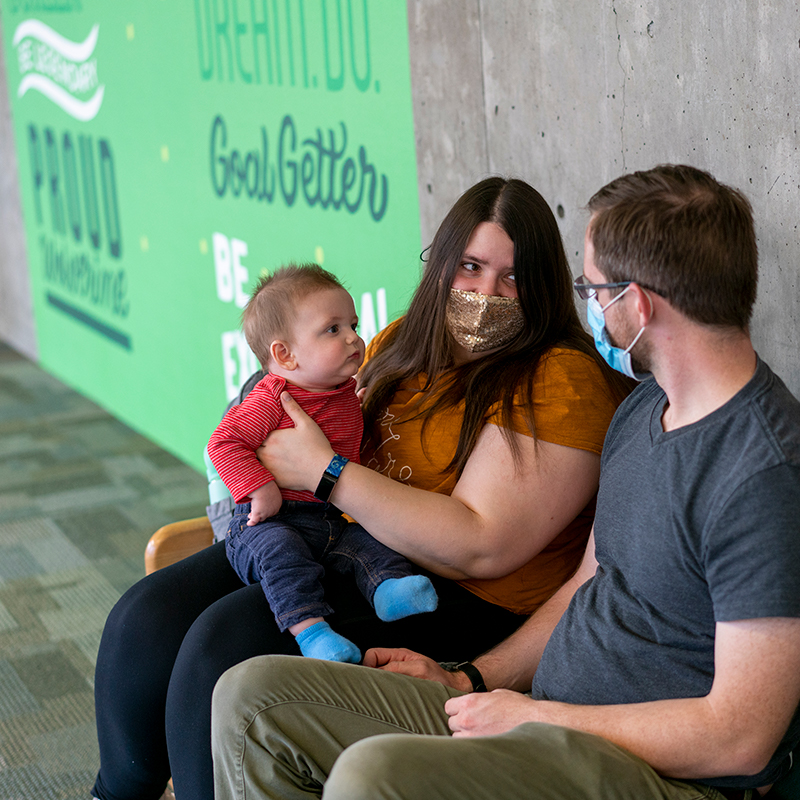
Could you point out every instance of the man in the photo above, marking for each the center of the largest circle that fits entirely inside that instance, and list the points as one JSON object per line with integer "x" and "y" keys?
{"x": 673, "y": 655}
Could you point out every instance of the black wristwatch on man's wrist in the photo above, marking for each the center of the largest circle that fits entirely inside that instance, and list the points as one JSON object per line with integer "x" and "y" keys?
{"x": 470, "y": 670}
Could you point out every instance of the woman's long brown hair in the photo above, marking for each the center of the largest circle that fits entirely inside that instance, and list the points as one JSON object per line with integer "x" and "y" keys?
{"x": 544, "y": 288}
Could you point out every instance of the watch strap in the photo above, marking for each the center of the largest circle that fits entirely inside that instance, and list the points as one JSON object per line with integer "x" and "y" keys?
{"x": 474, "y": 675}
{"x": 329, "y": 478}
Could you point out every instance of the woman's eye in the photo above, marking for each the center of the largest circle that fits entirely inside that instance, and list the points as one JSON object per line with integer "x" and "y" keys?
{"x": 468, "y": 266}
{"x": 511, "y": 278}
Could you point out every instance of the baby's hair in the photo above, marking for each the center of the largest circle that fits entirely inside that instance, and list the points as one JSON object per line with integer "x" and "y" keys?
{"x": 270, "y": 310}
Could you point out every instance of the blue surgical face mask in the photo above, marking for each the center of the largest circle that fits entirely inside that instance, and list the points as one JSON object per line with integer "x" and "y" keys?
{"x": 615, "y": 357}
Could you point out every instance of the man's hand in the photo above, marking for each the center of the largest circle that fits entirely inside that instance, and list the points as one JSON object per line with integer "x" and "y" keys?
{"x": 487, "y": 714}
{"x": 407, "y": 662}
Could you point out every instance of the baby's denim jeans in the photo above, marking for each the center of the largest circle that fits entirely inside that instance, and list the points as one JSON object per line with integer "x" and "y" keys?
{"x": 288, "y": 553}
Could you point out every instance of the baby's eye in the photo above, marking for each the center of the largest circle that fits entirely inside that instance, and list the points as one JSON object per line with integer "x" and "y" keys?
{"x": 354, "y": 326}
{"x": 333, "y": 329}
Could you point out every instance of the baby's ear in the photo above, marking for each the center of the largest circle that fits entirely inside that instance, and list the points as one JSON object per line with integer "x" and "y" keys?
{"x": 282, "y": 356}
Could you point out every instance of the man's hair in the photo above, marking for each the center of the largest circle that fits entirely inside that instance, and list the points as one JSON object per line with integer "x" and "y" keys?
{"x": 678, "y": 231}
{"x": 270, "y": 311}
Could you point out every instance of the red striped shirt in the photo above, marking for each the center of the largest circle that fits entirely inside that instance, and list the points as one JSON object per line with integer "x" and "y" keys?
{"x": 233, "y": 444}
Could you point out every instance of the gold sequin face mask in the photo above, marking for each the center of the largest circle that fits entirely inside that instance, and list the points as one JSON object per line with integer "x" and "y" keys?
{"x": 480, "y": 322}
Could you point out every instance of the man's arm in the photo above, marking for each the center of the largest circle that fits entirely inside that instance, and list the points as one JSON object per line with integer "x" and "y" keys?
{"x": 510, "y": 664}
{"x": 734, "y": 730}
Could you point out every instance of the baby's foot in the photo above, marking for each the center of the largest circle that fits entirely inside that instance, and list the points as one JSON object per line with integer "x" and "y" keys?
{"x": 401, "y": 597}
{"x": 321, "y": 641}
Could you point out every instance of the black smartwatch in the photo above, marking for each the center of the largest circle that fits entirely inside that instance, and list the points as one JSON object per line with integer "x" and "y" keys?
{"x": 470, "y": 670}
{"x": 329, "y": 478}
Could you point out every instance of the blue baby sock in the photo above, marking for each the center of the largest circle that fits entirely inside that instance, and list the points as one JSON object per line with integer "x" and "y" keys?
{"x": 401, "y": 597}
{"x": 321, "y": 641}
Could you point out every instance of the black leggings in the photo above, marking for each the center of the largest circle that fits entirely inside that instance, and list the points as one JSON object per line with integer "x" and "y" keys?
{"x": 171, "y": 636}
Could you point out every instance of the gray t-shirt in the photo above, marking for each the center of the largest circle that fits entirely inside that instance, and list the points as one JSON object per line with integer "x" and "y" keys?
{"x": 694, "y": 526}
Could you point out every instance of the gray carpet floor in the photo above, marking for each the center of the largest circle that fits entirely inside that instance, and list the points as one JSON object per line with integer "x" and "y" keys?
{"x": 80, "y": 495}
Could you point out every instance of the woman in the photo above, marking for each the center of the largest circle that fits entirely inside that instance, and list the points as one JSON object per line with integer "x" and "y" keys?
{"x": 487, "y": 403}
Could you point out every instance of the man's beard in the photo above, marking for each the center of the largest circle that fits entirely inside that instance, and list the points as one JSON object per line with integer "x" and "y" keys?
{"x": 640, "y": 355}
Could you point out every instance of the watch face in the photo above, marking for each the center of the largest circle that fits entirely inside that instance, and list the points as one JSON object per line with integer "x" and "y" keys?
{"x": 325, "y": 486}
{"x": 329, "y": 478}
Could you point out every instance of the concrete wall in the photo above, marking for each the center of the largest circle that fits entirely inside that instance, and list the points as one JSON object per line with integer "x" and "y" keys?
{"x": 568, "y": 94}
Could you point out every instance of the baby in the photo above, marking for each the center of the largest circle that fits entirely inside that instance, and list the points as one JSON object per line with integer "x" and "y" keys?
{"x": 301, "y": 324}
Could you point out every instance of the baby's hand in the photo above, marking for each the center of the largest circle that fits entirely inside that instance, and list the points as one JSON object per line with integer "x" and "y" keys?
{"x": 264, "y": 502}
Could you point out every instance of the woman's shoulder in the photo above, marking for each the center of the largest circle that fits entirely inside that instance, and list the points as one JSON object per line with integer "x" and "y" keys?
{"x": 569, "y": 358}
{"x": 571, "y": 399}
{"x": 565, "y": 365}
{"x": 377, "y": 342}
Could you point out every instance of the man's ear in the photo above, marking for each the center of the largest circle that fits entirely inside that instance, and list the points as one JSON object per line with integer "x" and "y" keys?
{"x": 644, "y": 304}
{"x": 282, "y": 356}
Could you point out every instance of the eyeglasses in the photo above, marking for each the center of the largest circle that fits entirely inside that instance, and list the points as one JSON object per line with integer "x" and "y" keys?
{"x": 586, "y": 290}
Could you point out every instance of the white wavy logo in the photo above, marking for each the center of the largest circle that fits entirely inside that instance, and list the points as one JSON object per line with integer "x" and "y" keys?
{"x": 59, "y": 68}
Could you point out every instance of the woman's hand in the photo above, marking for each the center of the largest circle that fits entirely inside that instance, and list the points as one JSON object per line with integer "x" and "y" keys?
{"x": 297, "y": 456}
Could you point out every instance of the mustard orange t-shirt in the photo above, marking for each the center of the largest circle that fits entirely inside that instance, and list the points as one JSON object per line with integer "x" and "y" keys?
{"x": 572, "y": 406}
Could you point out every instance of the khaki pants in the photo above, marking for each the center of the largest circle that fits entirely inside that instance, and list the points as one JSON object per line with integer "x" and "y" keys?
{"x": 285, "y": 727}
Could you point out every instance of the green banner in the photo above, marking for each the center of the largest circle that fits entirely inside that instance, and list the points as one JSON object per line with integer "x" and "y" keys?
{"x": 169, "y": 152}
